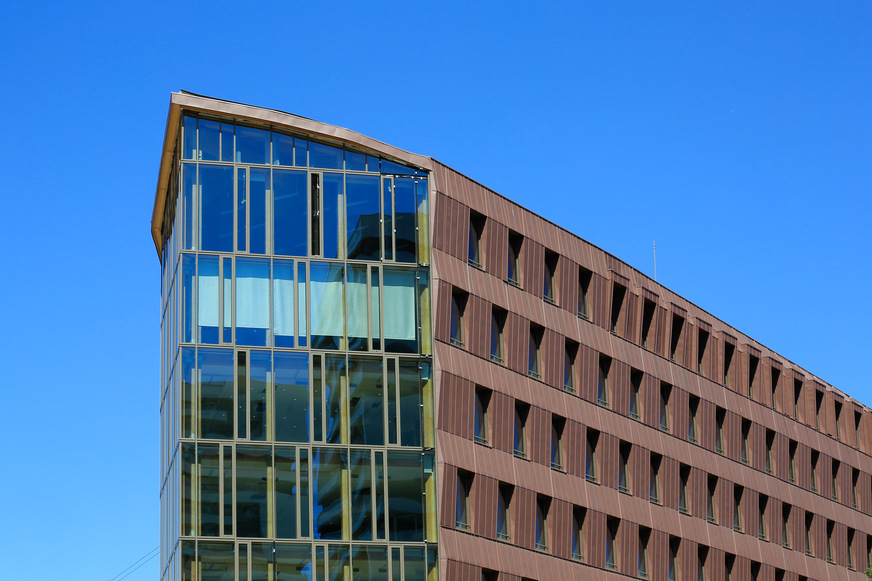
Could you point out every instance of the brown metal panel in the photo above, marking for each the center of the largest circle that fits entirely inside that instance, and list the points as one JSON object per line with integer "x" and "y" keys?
{"x": 538, "y": 436}
{"x": 502, "y": 414}
{"x": 496, "y": 243}
{"x": 551, "y": 358}
{"x": 449, "y": 495}
{"x": 477, "y": 326}
{"x": 484, "y": 511}
{"x": 573, "y": 435}
{"x": 669, "y": 482}
{"x": 533, "y": 267}
{"x": 641, "y": 461}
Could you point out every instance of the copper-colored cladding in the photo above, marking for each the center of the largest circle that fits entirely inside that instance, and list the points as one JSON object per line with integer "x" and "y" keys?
{"x": 674, "y": 365}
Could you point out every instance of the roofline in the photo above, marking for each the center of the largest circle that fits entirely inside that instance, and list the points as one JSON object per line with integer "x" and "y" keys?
{"x": 184, "y": 101}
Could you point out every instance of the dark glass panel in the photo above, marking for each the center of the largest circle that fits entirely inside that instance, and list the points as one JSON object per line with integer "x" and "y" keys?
{"x": 217, "y": 561}
{"x": 338, "y": 563}
{"x": 188, "y": 379}
{"x": 252, "y": 145}
{"x": 410, "y": 403}
{"x": 370, "y": 562}
{"x": 240, "y": 209}
{"x": 262, "y": 562}
{"x": 293, "y": 562}
{"x": 289, "y": 212}
{"x": 363, "y": 220}
{"x": 361, "y": 495}
{"x": 260, "y": 368}
{"x": 388, "y": 226}
{"x": 333, "y": 188}
{"x": 291, "y": 397}
{"x": 241, "y": 412}
{"x": 415, "y": 563}
{"x": 303, "y": 491}
{"x": 216, "y": 208}
{"x": 252, "y": 464}
{"x": 334, "y": 366}
{"x": 329, "y": 465}
{"x": 286, "y": 488}
{"x": 210, "y": 144}
{"x": 317, "y": 400}
{"x": 209, "y": 478}
{"x": 243, "y": 562}
{"x": 189, "y": 185}
{"x": 188, "y": 561}
{"x": 366, "y": 401}
{"x": 216, "y": 393}
{"x": 392, "y": 402}
{"x": 404, "y": 206}
{"x": 283, "y": 149}
{"x": 405, "y": 496}
{"x": 258, "y": 185}
{"x": 380, "y": 494}
{"x": 187, "y": 493}
{"x": 395, "y": 168}
{"x": 355, "y": 161}
{"x": 187, "y": 315}
{"x": 324, "y": 156}
{"x": 189, "y": 136}
{"x": 227, "y": 501}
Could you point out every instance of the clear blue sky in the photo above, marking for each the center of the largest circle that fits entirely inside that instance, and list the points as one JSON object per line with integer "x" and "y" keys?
{"x": 737, "y": 135}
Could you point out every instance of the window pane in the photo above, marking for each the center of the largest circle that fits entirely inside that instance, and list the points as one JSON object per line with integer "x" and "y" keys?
{"x": 301, "y": 147}
{"x": 415, "y": 564}
{"x": 283, "y": 303}
{"x": 227, "y": 142}
{"x": 189, "y": 194}
{"x": 187, "y": 315}
{"x": 209, "y": 140}
{"x": 334, "y": 386}
{"x": 216, "y": 208}
{"x": 291, "y": 397}
{"x": 258, "y": 185}
{"x": 355, "y": 161}
{"x": 188, "y": 403}
{"x": 388, "y": 226}
{"x": 252, "y": 145}
{"x": 356, "y": 291}
{"x": 400, "y": 320}
{"x": 190, "y": 138}
{"x": 252, "y": 511}
{"x": 208, "y": 476}
{"x": 259, "y": 378}
{"x": 362, "y": 217}
{"x": 283, "y": 149}
{"x": 293, "y": 562}
{"x": 366, "y": 400}
{"x": 405, "y": 496}
{"x": 252, "y": 301}
{"x": 328, "y": 466}
{"x": 326, "y": 305}
{"x": 289, "y": 213}
{"x": 410, "y": 403}
{"x": 286, "y": 492}
{"x": 333, "y": 188}
{"x": 405, "y": 208}
{"x": 215, "y": 409}
{"x": 217, "y": 561}
{"x": 324, "y": 156}
{"x": 361, "y": 495}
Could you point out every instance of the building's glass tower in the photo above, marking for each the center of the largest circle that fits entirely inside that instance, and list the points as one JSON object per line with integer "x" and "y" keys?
{"x": 297, "y": 407}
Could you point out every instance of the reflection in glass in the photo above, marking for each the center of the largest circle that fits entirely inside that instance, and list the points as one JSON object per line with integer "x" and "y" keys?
{"x": 189, "y": 139}
{"x": 227, "y": 142}
{"x": 187, "y": 306}
{"x": 291, "y": 397}
{"x": 293, "y": 562}
{"x": 283, "y": 149}
{"x": 400, "y": 325}
{"x": 355, "y": 161}
{"x": 289, "y": 212}
{"x": 405, "y": 496}
{"x": 361, "y": 494}
{"x": 415, "y": 563}
{"x": 208, "y": 477}
{"x": 283, "y": 303}
{"x": 286, "y": 502}
{"x": 356, "y": 307}
{"x": 252, "y": 301}
{"x": 217, "y": 561}
{"x": 338, "y": 563}
{"x": 210, "y": 144}
{"x": 405, "y": 208}
{"x": 240, "y": 209}
{"x": 188, "y": 378}
{"x": 362, "y": 210}
{"x": 325, "y": 294}
{"x": 252, "y": 145}
{"x": 215, "y": 408}
{"x": 259, "y": 377}
{"x": 258, "y": 186}
{"x": 252, "y": 508}
{"x": 334, "y": 397}
{"x": 187, "y": 497}
{"x": 370, "y": 562}
{"x": 207, "y": 298}
{"x": 366, "y": 400}
{"x": 329, "y": 465}
{"x": 189, "y": 194}
{"x": 324, "y": 156}
{"x": 410, "y": 403}
{"x": 388, "y": 226}
{"x": 333, "y": 187}
{"x": 216, "y": 208}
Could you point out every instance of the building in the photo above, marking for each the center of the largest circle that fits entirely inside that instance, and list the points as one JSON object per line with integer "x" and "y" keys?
{"x": 375, "y": 368}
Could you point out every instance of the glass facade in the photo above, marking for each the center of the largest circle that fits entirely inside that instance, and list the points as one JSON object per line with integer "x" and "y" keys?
{"x": 296, "y": 347}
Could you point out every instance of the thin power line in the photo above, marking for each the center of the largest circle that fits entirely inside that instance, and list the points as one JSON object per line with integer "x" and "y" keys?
{"x": 141, "y": 561}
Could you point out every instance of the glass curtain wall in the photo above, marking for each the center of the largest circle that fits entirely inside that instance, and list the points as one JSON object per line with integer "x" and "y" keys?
{"x": 296, "y": 409}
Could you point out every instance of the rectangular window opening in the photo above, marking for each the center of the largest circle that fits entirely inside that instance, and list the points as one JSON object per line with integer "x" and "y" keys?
{"x": 549, "y": 290}
{"x": 513, "y": 274}
{"x": 635, "y": 394}
{"x": 476, "y": 230}
{"x": 480, "y": 423}
{"x": 569, "y": 357}
{"x": 619, "y": 293}
{"x": 584, "y": 278}
{"x": 535, "y": 363}
{"x": 590, "y": 464}
{"x": 602, "y": 385}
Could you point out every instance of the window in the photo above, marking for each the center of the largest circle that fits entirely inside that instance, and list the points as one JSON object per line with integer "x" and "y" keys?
{"x": 624, "y": 467}
{"x": 676, "y": 345}
{"x": 520, "y": 432}
{"x": 462, "y": 511}
{"x": 701, "y": 559}
{"x": 770, "y": 444}
{"x": 612, "y": 525}
{"x": 785, "y": 525}
{"x": 818, "y": 404}
{"x": 762, "y": 530}
{"x": 753, "y": 363}
{"x": 791, "y": 462}
{"x": 635, "y": 389}
{"x": 738, "y": 493}
{"x": 488, "y": 575}
{"x": 815, "y": 457}
{"x": 702, "y": 344}
{"x": 797, "y": 398}
{"x": 549, "y": 290}
{"x": 590, "y": 468}
{"x": 513, "y": 274}
{"x": 458, "y": 306}
{"x": 809, "y": 522}
{"x": 602, "y": 385}
{"x": 649, "y": 309}
{"x": 729, "y": 562}
{"x": 711, "y": 513}
{"x": 557, "y": 425}
{"x": 577, "y": 539}
{"x": 855, "y": 477}
{"x": 755, "y": 571}
{"x": 644, "y": 539}
{"x": 773, "y": 398}
{"x": 619, "y": 292}
{"x": 504, "y": 499}
{"x": 693, "y": 408}
{"x": 543, "y": 504}
{"x": 838, "y": 409}
{"x": 672, "y": 559}
{"x": 851, "y": 549}
{"x": 498, "y": 323}
{"x": 728, "y": 363}
{"x": 744, "y": 453}
{"x": 534, "y": 369}
{"x": 654, "y": 480}
{"x": 480, "y": 428}
{"x": 857, "y": 418}
{"x": 720, "y": 416}
{"x": 476, "y": 229}
{"x": 665, "y": 392}
{"x": 830, "y": 527}
{"x": 834, "y": 487}
{"x": 570, "y": 352}
{"x": 584, "y": 276}
{"x": 684, "y": 480}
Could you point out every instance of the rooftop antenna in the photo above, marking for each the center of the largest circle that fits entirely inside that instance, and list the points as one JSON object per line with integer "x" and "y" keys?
{"x": 655, "y": 261}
